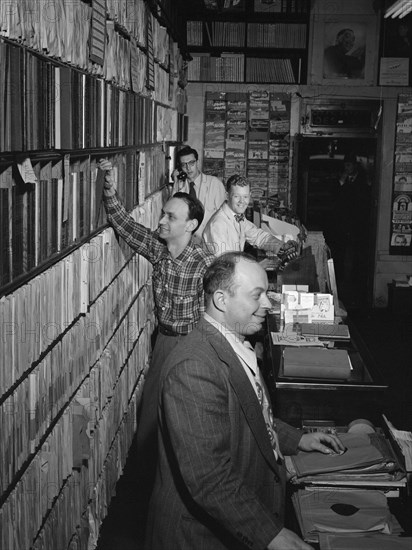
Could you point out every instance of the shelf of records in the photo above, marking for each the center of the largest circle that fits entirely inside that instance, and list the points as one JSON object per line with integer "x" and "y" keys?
{"x": 346, "y": 494}
{"x": 264, "y": 7}
{"x": 48, "y": 207}
{"x": 64, "y": 494}
{"x": 274, "y": 70}
{"x": 60, "y": 298}
{"x": 401, "y": 226}
{"x": 63, "y": 28}
{"x": 86, "y": 35}
{"x": 215, "y": 33}
{"x": 277, "y": 35}
{"x": 58, "y": 107}
{"x": 226, "y": 67}
{"x": 50, "y": 392}
{"x": 50, "y": 403}
{"x": 279, "y": 18}
{"x": 230, "y": 67}
{"x": 248, "y": 133}
{"x": 67, "y": 313}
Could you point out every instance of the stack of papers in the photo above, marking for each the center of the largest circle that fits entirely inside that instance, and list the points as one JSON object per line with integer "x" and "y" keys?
{"x": 362, "y": 541}
{"x": 285, "y": 338}
{"x": 404, "y": 440}
{"x": 307, "y": 307}
{"x": 325, "y": 331}
{"x": 368, "y": 457}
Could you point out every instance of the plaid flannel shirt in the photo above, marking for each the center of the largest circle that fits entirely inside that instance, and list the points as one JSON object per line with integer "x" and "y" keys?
{"x": 177, "y": 282}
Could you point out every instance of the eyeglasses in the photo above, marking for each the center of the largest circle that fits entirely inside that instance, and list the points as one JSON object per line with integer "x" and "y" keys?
{"x": 189, "y": 164}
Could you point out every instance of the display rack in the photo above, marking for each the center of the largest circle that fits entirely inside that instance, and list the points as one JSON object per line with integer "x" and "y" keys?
{"x": 247, "y": 134}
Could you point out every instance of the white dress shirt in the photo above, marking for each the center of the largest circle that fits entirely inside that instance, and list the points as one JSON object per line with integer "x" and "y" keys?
{"x": 211, "y": 193}
{"x": 224, "y": 234}
{"x": 248, "y": 360}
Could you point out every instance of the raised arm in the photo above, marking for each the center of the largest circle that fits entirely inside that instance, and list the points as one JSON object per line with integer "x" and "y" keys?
{"x": 139, "y": 238}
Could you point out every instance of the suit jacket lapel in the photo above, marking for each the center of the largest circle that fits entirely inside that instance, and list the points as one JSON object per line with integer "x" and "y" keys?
{"x": 242, "y": 387}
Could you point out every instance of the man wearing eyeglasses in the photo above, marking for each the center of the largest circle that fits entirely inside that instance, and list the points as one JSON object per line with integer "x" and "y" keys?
{"x": 189, "y": 179}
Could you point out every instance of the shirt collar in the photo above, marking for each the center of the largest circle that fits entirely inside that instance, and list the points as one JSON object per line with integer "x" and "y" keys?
{"x": 197, "y": 181}
{"x": 183, "y": 257}
{"x": 228, "y": 211}
{"x": 246, "y": 353}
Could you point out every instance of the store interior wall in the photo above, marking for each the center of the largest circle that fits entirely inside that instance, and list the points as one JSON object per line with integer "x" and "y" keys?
{"x": 386, "y": 266}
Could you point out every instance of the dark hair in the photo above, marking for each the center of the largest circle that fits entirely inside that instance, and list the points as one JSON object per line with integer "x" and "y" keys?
{"x": 221, "y": 273}
{"x": 187, "y": 150}
{"x": 196, "y": 210}
{"x": 236, "y": 179}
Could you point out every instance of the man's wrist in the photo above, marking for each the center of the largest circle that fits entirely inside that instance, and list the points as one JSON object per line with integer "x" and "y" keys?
{"x": 109, "y": 190}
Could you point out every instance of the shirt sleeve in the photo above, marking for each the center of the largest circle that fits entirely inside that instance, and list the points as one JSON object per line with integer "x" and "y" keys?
{"x": 260, "y": 238}
{"x": 218, "y": 237}
{"x": 139, "y": 238}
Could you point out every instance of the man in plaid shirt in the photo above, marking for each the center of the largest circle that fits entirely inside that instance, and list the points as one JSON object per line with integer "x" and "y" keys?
{"x": 178, "y": 268}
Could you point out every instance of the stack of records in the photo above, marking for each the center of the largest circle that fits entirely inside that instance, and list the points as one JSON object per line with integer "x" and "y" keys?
{"x": 368, "y": 457}
{"x": 326, "y": 510}
{"x": 361, "y": 541}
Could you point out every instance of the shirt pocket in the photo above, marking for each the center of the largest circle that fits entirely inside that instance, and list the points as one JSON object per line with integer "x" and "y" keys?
{"x": 186, "y": 307}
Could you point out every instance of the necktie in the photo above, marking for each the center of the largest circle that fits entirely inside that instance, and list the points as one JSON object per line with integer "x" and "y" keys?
{"x": 239, "y": 217}
{"x": 192, "y": 191}
{"x": 265, "y": 405}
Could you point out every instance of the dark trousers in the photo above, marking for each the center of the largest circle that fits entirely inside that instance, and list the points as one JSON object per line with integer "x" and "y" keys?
{"x": 147, "y": 426}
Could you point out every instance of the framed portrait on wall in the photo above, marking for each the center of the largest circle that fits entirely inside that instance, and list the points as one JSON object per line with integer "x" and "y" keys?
{"x": 344, "y": 50}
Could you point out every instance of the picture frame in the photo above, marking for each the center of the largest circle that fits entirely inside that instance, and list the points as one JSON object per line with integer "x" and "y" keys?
{"x": 344, "y": 50}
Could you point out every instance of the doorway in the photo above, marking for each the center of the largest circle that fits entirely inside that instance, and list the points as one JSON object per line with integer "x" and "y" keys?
{"x": 343, "y": 208}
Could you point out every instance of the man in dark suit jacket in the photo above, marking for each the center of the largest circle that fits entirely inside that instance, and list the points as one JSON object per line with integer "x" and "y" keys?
{"x": 220, "y": 481}
{"x": 349, "y": 232}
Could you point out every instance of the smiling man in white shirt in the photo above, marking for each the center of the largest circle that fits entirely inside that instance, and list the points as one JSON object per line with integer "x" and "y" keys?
{"x": 228, "y": 229}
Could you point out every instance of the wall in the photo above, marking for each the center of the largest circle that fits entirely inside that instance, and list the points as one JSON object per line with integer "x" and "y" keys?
{"x": 385, "y": 266}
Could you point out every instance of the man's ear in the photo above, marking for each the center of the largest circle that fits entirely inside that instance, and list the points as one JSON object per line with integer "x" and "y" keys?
{"x": 192, "y": 225}
{"x": 219, "y": 300}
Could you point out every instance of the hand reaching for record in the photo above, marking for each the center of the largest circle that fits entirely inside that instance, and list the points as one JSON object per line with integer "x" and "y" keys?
{"x": 286, "y": 253}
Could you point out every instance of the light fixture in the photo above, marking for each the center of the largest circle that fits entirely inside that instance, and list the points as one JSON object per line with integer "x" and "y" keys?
{"x": 400, "y": 8}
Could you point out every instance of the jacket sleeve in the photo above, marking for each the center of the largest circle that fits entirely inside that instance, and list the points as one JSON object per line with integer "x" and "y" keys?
{"x": 289, "y": 437}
